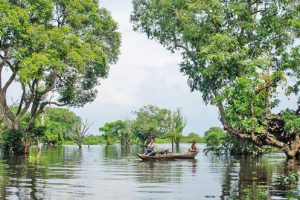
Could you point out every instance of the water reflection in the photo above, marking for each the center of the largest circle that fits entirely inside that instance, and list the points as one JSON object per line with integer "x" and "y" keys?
{"x": 115, "y": 172}
{"x": 160, "y": 172}
{"x": 255, "y": 178}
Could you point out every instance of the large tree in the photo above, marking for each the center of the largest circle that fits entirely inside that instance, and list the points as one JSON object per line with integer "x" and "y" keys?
{"x": 241, "y": 55}
{"x": 78, "y": 132}
{"x": 118, "y": 131}
{"x": 55, "y": 51}
{"x": 176, "y": 126}
{"x": 151, "y": 121}
{"x": 57, "y": 122}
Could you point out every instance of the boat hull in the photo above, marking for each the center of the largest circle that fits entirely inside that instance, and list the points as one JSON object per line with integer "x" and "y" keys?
{"x": 168, "y": 156}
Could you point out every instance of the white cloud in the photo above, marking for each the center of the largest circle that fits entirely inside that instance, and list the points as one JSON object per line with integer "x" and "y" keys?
{"x": 146, "y": 73}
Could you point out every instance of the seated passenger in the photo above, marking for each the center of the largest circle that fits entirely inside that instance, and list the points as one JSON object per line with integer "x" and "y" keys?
{"x": 193, "y": 148}
{"x": 151, "y": 148}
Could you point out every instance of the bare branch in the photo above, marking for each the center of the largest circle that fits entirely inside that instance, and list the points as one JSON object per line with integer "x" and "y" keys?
{"x": 80, "y": 132}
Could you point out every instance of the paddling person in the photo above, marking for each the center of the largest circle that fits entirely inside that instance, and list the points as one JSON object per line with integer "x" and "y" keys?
{"x": 193, "y": 148}
{"x": 151, "y": 146}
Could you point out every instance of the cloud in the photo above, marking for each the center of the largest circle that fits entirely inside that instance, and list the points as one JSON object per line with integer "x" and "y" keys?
{"x": 146, "y": 73}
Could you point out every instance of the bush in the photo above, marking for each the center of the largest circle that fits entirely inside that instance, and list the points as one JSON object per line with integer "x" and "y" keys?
{"x": 12, "y": 141}
{"x": 192, "y": 137}
{"x": 288, "y": 182}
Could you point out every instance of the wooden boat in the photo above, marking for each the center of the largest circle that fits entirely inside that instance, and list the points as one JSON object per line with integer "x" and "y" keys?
{"x": 169, "y": 156}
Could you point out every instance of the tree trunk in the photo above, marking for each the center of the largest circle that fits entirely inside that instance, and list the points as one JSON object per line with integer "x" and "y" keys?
{"x": 292, "y": 151}
{"x": 26, "y": 147}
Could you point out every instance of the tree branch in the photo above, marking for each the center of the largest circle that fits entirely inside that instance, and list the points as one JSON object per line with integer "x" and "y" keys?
{"x": 56, "y": 103}
{"x": 267, "y": 102}
{"x": 1, "y": 67}
{"x": 272, "y": 142}
{"x": 272, "y": 117}
{"x": 258, "y": 90}
{"x": 24, "y": 109}
{"x": 10, "y": 80}
{"x": 22, "y": 99}
{"x": 221, "y": 108}
{"x": 297, "y": 112}
{"x": 36, "y": 112}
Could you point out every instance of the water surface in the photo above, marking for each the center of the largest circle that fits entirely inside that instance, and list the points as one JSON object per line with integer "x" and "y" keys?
{"x": 115, "y": 172}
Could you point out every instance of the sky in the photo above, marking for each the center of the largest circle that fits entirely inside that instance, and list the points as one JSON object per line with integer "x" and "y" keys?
{"x": 145, "y": 73}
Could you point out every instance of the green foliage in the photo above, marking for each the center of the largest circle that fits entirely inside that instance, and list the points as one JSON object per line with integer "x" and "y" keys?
{"x": 151, "y": 121}
{"x": 287, "y": 182}
{"x": 162, "y": 140}
{"x": 79, "y": 39}
{"x": 118, "y": 131}
{"x": 291, "y": 121}
{"x": 218, "y": 142}
{"x": 214, "y": 138}
{"x": 58, "y": 121}
{"x": 192, "y": 137}
{"x": 260, "y": 192}
{"x": 93, "y": 140}
{"x": 12, "y": 141}
{"x": 238, "y": 54}
{"x": 177, "y": 124}
{"x": 56, "y": 52}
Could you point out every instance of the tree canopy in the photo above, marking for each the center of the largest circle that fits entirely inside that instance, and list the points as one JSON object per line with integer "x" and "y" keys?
{"x": 241, "y": 55}
{"x": 57, "y": 123}
{"x": 56, "y": 51}
{"x": 118, "y": 130}
{"x": 149, "y": 122}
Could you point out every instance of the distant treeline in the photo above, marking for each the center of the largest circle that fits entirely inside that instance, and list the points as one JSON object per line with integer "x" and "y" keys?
{"x": 57, "y": 126}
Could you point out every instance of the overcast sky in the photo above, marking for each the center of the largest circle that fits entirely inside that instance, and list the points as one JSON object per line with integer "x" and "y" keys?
{"x": 145, "y": 74}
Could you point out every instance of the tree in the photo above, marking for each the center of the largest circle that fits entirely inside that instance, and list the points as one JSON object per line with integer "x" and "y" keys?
{"x": 78, "y": 132}
{"x": 177, "y": 124}
{"x": 57, "y": 122}
{"x": 151, "y": 121}
{"x": 214, "y": 139}
{"x": 118, "y": 131}
{"x": 217, "y": 130}
{"x": 238, "y": 54}
{"x": 218, "y": 141}
{"x": 57, "y": 52}
{"x": 192, "y": 137}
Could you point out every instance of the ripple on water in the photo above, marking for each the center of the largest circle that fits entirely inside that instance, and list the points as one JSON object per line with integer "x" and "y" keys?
{"x": 112, "y": 172}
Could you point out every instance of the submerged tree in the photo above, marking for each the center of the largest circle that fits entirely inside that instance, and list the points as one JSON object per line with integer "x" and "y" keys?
{"x": 118, "y": 131}
{"x": 57, "y": 121}
{"x": 177, "y": 124}
{"x": 151, "y": 121}
{"x": 56, "y": 52}
{"x": 241, "y": 55}
{"x": 78, "y": 132}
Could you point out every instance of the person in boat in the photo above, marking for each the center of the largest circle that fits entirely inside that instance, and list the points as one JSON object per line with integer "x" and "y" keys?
{"x": 150, "y": 148}
{"x": 193, "y": 148}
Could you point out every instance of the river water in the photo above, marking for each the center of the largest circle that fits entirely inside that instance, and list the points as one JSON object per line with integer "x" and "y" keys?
{"x": 114, "y": 172}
